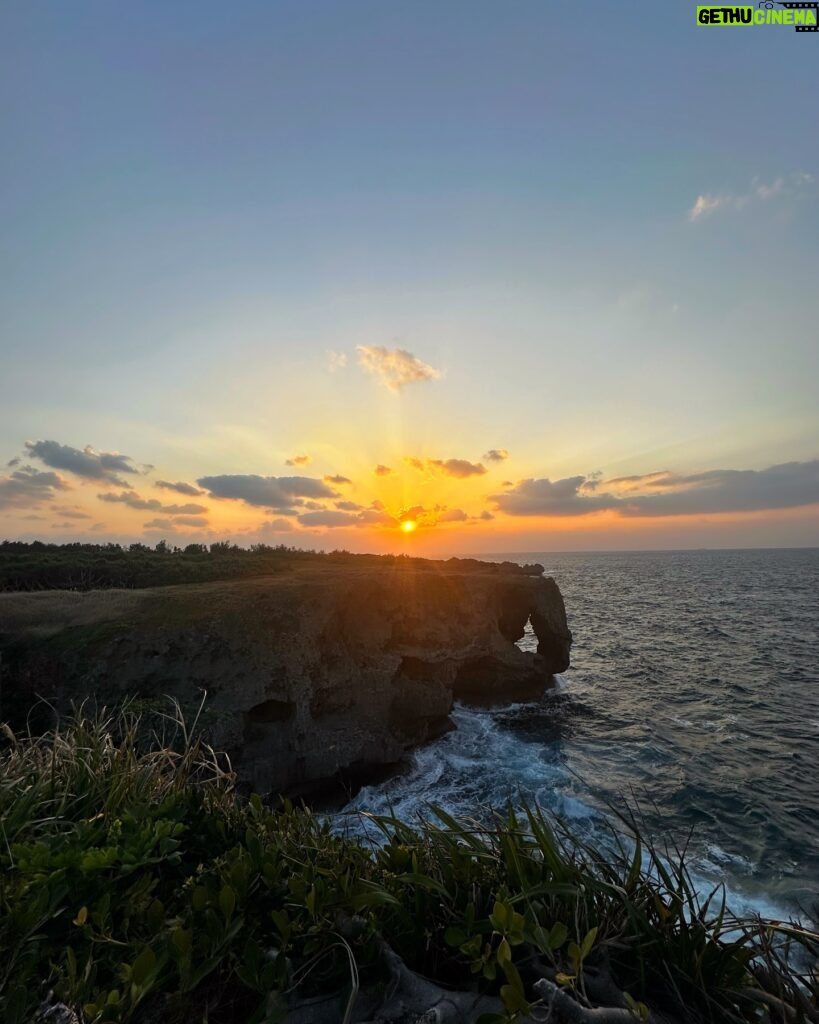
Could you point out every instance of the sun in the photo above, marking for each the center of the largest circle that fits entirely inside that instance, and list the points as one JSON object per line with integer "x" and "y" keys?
{"x": 409, "y": 525}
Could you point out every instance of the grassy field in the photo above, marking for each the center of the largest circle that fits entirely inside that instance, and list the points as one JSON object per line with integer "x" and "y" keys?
{"x": 40, "y": 566}
{"x": 136, "y": 885}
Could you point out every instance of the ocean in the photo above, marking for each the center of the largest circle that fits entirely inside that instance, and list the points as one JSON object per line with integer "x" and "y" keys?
{"x": 693, "y": 693}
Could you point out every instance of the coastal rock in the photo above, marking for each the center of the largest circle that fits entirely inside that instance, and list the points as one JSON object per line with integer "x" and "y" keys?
{"x": 312, "y": 675}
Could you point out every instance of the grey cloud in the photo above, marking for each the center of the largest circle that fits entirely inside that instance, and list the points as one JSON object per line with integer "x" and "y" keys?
{"x": 453, "y": 515}
{"x": 27, "y": 486}
{"x": 71, "y": 513}
{"x": 158, "y": 524}
{"x": 88, "y": 462}
{"x": 349, "y": 506}
{"x": 265, "y": 491}
{"x": 337, "y": 517}
{"x": 298, "y": 460}
{"x": 545, "y": 497}
{"x": 180, "y": 487}
{"x": 273, "y": 527}
{"x": 338, "y": 479}
{"x": 193, "y": 521}
{"x": 133, "y": 500}
{"x": 327, "y": 517}
{"x": 496, "y": 455}
{"x": 787, "y": 485}
{"x": 190, "y": 509}
{"x": 381, "y": 470}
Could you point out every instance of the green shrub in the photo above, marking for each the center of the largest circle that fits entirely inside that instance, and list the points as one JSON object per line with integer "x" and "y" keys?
{"x": 135, "y": 883}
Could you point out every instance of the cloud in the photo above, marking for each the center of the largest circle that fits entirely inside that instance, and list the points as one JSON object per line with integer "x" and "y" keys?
{"x": 705, "y": 205}
{"x": 88, "y": 463}
{"x": 271, "y": 531}
{"x": 349, "y": 506}
{"x": 180, "y": 487}
{"x": 170, "y": 526}
{"x": 338, "y": 480}
{"x": 192, "y": 521}
{"x": 788, "y": 485}
{"x": 71, "y": 513}
{"x": 394, "y": 367}
{"x": 28, "y": 487}
{"x": 458, "y": 468}
{"x": 759, "y": 192}
{"x": 550, "y": 498}
{"x": 382, "y": 470}
{"x": 274, "y": 492}
{"x": 336, "y": 361}
{"x": 452, "y": 515}
{"x": 334, "y": 518}
{"x": 299, "y": 460}
{"x": 496, "y": 455}
{"x": 133, "y": 500}
{"x": 327, "y": 517}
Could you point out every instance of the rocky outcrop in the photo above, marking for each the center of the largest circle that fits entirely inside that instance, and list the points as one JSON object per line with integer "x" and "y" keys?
{"x": 311, "y": 674}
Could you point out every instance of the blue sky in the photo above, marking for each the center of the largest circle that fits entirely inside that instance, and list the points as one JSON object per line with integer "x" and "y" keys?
{"x": 201, "y": 201}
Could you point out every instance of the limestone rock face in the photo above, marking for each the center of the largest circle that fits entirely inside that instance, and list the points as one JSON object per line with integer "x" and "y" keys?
{"x": 309, "y": 674}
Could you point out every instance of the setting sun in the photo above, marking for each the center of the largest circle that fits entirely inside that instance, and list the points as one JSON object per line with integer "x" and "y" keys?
{"x": 409, "y": 525}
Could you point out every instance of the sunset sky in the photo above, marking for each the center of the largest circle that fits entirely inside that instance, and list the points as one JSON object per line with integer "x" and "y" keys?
{"x": 527, "y": 276}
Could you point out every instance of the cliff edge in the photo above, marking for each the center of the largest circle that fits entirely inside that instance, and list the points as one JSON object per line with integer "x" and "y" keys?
{"x": 318, "y": 673}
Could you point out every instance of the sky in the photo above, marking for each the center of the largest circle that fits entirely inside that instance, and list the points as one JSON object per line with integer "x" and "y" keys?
{"x": 525, "y": 277}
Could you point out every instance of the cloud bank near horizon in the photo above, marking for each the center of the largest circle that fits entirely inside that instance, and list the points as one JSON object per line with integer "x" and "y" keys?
{"x": 661, "y": 494}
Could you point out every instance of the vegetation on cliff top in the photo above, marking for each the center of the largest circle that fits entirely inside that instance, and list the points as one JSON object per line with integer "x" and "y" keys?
{"x": 136, "y": 885}
{"x": 41, "y": 566}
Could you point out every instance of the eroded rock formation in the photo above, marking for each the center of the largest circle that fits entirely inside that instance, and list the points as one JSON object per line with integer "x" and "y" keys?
{"x": 311, "y": 674}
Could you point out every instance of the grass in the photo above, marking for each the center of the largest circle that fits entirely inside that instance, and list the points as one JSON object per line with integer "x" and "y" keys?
{"x": 136, "y": 884}
{"x": 44, "y": 566}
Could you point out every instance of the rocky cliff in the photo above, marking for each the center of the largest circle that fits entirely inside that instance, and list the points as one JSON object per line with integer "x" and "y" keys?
{"x": 310, "y": 675}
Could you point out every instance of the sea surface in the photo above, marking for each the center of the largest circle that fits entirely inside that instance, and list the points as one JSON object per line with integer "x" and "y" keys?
{"x": 693, "y": 693}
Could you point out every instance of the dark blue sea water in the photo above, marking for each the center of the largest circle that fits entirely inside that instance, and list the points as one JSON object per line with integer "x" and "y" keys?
{"x": 694, "y": 690}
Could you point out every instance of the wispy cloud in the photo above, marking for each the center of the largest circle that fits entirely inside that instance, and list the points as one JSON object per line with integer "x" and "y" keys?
{"x": 299, "y": 460}
{"x": 394, "y": 367}
{"x": 133, "y": 500}
{"x": 496, "y": 455}
{"x": 180, "y": 487}
{"x": 381, "y": 470}
{"x": 337, "y": 479}
{"x": 336, "y": 361}
{"x": 759, "y": 192}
